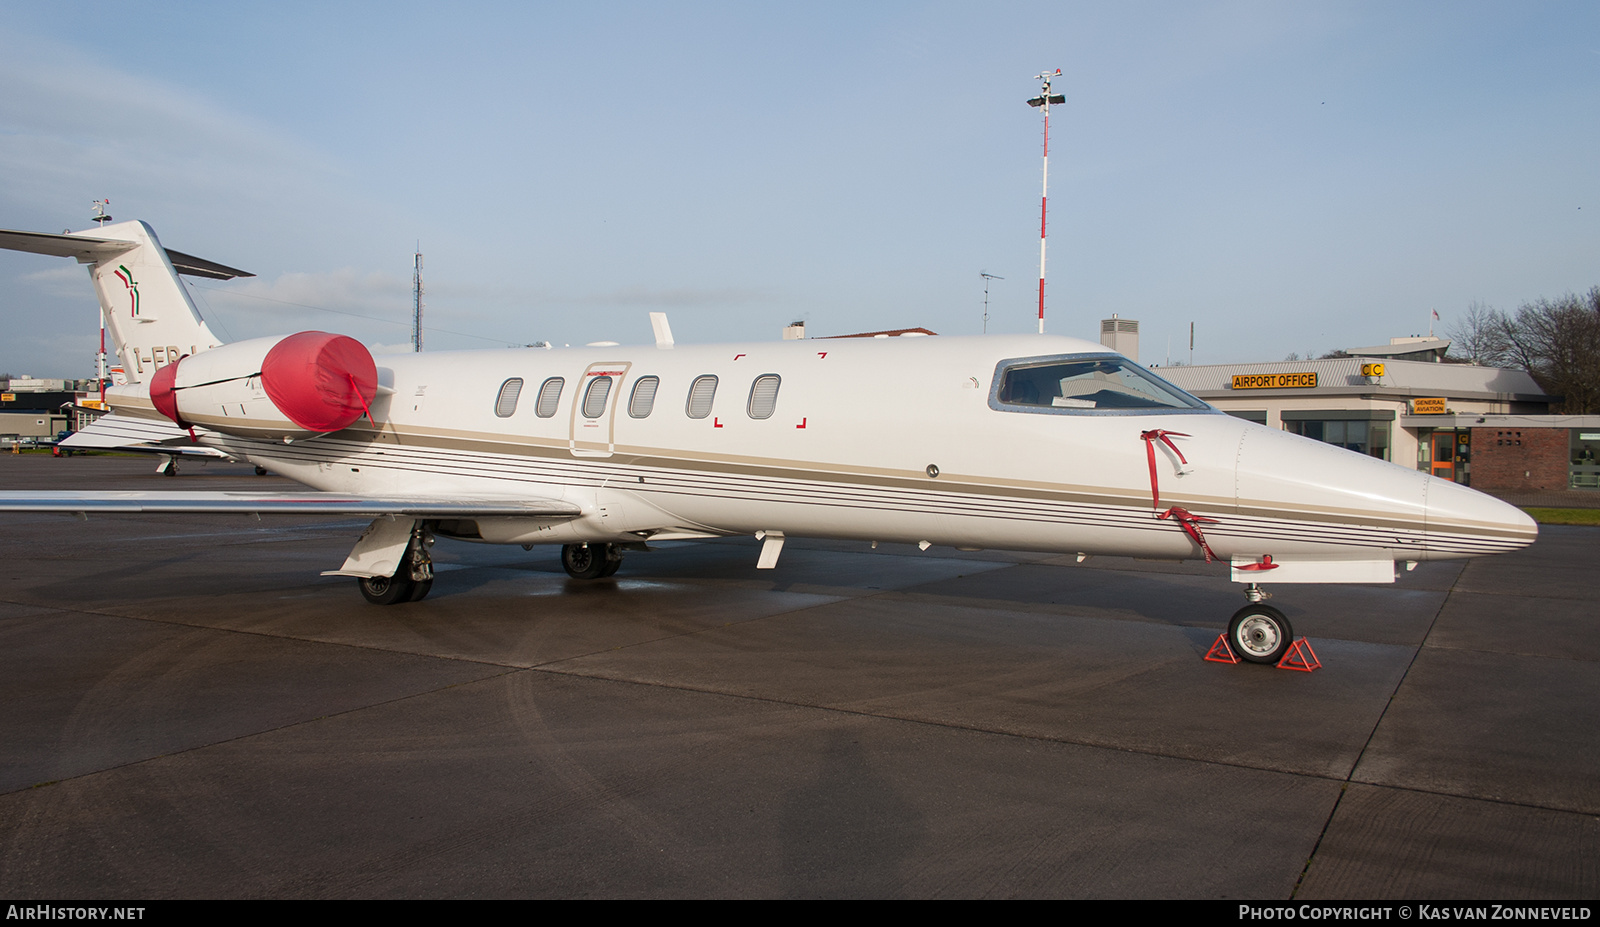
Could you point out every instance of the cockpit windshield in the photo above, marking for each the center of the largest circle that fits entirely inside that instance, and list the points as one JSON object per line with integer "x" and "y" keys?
{"x": 1085, "y": 383}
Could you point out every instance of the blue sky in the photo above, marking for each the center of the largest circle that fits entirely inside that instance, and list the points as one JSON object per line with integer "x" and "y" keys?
{"x": 1291, "y": 177}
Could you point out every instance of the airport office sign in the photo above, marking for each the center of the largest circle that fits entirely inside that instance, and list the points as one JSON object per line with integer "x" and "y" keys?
{"x": 1275, "y": 380}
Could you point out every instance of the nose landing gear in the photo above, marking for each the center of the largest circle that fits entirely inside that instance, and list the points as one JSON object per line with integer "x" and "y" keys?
{"x": 1259, "y": 633}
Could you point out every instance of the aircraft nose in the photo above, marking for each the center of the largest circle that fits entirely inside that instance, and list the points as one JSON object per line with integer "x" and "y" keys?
{"x": 1469, "y": 523}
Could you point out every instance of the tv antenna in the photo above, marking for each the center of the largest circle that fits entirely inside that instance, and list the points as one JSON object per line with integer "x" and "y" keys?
{"x": 416, "y": 304}
{"x": 986, "y": 278}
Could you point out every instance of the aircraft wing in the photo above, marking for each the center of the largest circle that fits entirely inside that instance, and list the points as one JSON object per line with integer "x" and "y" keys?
{"x": 277, "y": 503}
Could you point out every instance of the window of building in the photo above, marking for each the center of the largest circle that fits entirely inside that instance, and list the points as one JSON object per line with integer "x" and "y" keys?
{"x": 700, "y": 395}
{"x": 506, "y": 403}
{"x": 1363, "y": 437}
{"x": 763, "y": 396}
{"x": 549, "y": 397}
{"x": 644, "y": 397}
{"x": 1584, "y": 471}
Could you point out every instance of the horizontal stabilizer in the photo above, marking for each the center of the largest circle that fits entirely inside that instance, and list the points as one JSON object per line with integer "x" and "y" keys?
{"x": 112, "y": 431}
{"x": 274, "y": 503}
{"x": 191, "y": 266}
{"x": 88, "y": 250}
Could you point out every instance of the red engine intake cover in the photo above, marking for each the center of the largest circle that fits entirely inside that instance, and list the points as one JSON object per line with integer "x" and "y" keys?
{"x": 322, "y": 382}
{"x": 162, "y": 394}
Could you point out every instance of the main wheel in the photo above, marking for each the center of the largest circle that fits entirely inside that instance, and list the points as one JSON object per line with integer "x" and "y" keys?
{"x": 587, "y": 561}
{"x": 1259, "y": 634}
{"x": 419, "y": 591}
{"x": 387, "y": 590}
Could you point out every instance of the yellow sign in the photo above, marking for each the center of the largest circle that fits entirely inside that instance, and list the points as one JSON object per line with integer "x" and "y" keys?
{"x": 8, "y": 397}
{"x": 1275, "y": 380}
{"x": 1372, "y": 370}
{"x": 1431, "y": 406}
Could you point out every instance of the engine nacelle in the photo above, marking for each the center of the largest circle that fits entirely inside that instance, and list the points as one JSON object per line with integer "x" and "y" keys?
{"x": 296, "y": 386}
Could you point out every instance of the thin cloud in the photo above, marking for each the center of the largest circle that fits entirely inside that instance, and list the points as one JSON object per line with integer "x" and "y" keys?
{"x": 67, "y": 117}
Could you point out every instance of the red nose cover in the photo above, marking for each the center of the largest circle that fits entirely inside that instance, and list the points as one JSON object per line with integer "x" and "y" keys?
{"x": 162, "y": 394}
{"x": 322, "y": 382}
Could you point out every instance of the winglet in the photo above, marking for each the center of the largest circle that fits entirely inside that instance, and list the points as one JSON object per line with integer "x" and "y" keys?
{"x": 663, "y": 329}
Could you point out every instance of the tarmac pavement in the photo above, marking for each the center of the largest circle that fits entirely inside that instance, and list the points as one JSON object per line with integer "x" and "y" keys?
{"x": 192, "y": 711}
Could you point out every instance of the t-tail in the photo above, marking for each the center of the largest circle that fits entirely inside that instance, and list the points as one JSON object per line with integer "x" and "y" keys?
{"x": 146, "y": 307}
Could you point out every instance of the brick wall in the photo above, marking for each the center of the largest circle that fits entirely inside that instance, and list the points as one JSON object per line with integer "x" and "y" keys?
{"x": 1519, "y": 458}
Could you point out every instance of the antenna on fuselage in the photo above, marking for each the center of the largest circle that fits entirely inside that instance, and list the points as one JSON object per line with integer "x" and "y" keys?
{"x": 1043, "y": 101}
{"x": 986, "y": 278}
{"x": 416, "y": 301}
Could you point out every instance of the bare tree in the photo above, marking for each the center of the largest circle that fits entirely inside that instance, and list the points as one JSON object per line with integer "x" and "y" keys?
{"x": 1556, "y": 341}
{"x": 1480, "y": 336}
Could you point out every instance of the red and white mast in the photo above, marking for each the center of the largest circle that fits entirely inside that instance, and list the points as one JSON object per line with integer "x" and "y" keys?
{"x": 1043, "y": 101}
{"x": 101, "y": 217}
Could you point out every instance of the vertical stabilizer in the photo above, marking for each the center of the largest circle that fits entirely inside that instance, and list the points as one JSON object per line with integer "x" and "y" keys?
{"x": 146, "y": 307}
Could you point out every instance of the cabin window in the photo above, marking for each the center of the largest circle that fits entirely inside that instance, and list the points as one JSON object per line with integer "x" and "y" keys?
{"x": 1085, "y": 384}
{"x": 763, "y": 396}
{"x": 644, "y": 397}
{"x": 700, "y": 396}
{"x": 594, "y": 398}
{"x": 506, "y": 403}
{"x": 549, "y": 397}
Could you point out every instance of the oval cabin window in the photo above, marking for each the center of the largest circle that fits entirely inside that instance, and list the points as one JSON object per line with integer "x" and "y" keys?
{"x": 506, "y": 403}
{"x": 700, "y": 395}
{"x": 644, "y": 397}
{"x": 764, "y": 396}
{"x": 594, "y": 398}
{"x": 549, "y": 397}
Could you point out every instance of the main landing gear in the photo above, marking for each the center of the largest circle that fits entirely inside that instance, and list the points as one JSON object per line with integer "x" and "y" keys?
{"x": 412, "y": 579}
{"x": 1259, "y": 633}
{"x": 590, "y": 561}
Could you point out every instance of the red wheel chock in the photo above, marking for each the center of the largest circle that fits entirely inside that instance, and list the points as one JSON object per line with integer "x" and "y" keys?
{"x": 1300, "y": 657}
{"x": 1220, "y": 652}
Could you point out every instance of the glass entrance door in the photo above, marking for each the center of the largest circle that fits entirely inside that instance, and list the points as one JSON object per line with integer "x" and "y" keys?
{"x": 1444, "y": 454}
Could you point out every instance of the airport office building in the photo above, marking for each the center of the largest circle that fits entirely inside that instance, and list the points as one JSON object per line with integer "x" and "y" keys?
{"x": 1481, "y": 426}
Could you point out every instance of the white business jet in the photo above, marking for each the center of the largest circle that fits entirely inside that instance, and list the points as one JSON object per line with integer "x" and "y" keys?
{"x": 1009, "y": 442}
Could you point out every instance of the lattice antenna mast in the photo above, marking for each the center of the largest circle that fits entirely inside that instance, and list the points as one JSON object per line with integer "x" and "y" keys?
{"x": 1043, "y": 101}
{"x": 416, "y": 302}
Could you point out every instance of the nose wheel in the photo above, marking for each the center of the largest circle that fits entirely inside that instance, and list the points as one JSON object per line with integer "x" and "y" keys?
{"x": 1259, "y": 633}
